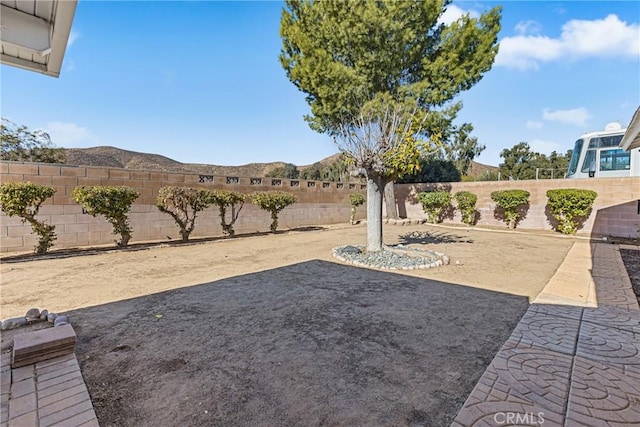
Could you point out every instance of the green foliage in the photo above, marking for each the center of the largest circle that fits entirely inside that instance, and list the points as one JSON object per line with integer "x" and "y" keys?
{"x": 224, "y": 200}
{"x": 23, "y": 199}
{"x": 511, "y": 201}
{"x": 433, "y": 170}
{"x": 113, "y": 203}
{"x": 273, "y": 202}
{"x": 18, "y": 143}
{"x": 355, "y": 200}
{"x": 289, "y": 170}
{"x": 467, "y": 206}
{"x": 341, "y": 53}
{"x": 521, "y": 163}
{"x": 183, "y": 204}
{"x": 570, "y": 207}
{"x": 435, "y": 204}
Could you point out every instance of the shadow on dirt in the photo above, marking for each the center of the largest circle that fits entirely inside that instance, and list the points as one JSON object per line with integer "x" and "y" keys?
{"x": 432, "y": 237}
{"x": 313, "y": 343}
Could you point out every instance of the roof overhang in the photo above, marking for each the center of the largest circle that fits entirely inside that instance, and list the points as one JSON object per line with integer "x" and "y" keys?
{"x": 34, "y": 33}
{"x": 631, "y": 138}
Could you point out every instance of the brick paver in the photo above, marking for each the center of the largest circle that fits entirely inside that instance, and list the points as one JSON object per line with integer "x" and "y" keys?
{"x": 48, "y": 393}
{"x": 567, "y": 365}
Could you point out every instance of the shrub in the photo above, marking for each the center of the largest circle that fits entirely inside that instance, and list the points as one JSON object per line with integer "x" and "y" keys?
{"x": 24, "y": 199}
{"x": 273, "y": 202}
{"x": 435, "y": 204}
{"x": 225, "y": 199}
{"x": 511, "y": 201}
{"x": 355, "y": 199}
{"x": 111, "y": 202}
{"x": 183, "y": 204}
{"x": 467, "y": 206}
{"x": 570, "y": 207}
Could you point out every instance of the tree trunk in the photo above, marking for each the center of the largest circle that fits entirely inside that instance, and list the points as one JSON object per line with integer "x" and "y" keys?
{"x": 390, "y": 201}
{"x": 375, "y": 187}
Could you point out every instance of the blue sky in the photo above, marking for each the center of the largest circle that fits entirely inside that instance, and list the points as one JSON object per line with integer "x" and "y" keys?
{"x": 201, "y": 82}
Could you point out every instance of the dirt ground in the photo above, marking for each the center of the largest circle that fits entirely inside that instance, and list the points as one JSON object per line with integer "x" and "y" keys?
{"x": 631, "y": 259}
{"x": 272, "y": 331}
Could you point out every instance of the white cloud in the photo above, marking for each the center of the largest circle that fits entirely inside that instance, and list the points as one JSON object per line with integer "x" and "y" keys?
{"x": 544, "y": 147}
{"x": 579, "y": 39}
{"x": 533, "y": 124}
{"x": 453, "y": 13}
{"x": 70, "y": 135}
{"x": 528, "y": 27}
{"x": 576, "y": 116}
{"x": 73, "y": 36}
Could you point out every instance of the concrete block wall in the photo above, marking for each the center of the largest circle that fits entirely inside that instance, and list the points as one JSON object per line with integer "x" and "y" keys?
{"x": 318, "y": 203}
{"x": 615, "y": 211}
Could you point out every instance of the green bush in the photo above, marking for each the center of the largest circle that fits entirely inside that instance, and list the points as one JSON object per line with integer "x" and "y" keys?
{"x": 570, "y": 207}
{"x": 273, "y": 202}
{"x": 511, "y": 201}
{"x": 111, "y": 202}
{"x": 183, "y": 204}
{"x": 355, "y": 200}
{"x": 435, "y": 204}
{"x": 23, "y": 199}
{"x": 225, "y": 199}
{"x": 467, "y": 206}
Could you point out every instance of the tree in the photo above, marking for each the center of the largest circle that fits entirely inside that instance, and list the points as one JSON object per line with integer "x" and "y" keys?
{"x": 183, "y": 204}
{"x": 463, "y": 149}
{"x": 372, "y": 73}
{"x": 273, "y": 202}
{"x": 113, "y": 203}
{"x": 313, "y": 172}
{"x": 225, "y": 199}
{"x": 18, "y": 143}
{"x": 521, "y": 163}
{"x": 289, "y": 170}
{"x": 24, "y": 199}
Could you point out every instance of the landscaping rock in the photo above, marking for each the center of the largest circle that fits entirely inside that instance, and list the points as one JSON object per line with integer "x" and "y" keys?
{"x": 44, "y": 314}
{"x": 51, "y": 317}
{"x": 13, "y": 322}
{"x": 60, "y": 320}
{"x": 33, "y": 314}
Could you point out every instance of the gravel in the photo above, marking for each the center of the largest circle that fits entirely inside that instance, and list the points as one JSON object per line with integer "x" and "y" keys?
{"x": 394, "y": 257}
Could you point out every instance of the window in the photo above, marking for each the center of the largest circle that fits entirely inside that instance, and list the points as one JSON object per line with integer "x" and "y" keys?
{"x": 605, "y": 141}
{"x": 577, "y": 150}
{"x": 615, "y": 160}
{"x": 589, "y": 161}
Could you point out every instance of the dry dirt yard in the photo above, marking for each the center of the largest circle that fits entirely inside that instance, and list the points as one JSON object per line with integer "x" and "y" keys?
{"x": 273, "y": 331}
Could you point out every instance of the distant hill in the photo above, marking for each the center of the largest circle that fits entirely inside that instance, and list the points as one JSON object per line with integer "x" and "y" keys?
{"x": 119, "y": 158}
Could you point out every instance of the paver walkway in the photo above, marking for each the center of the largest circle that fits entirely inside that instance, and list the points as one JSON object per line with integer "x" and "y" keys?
{"x": 48, "y": 393}
{"x": 568, "y": 365}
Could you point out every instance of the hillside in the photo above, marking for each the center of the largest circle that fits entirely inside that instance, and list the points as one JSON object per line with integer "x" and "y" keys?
{"x": 119, "y": 158}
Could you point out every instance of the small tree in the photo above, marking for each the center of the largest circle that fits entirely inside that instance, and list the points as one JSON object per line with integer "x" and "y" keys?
{"x": 467, "y": 206}
{"x": 273, "y": 202}
{"x": 570, "y": 207}
{"x": 224, "y": 200}
{"x": 18, "y": 143}
{"x": 24, "y": 199}
{"x": 112, "y": 202}
{"x": 435, "y": 204}
{"x": 511, "y": 201}
{"x": 355, "y": 199}
{"x": 183, "y": 204}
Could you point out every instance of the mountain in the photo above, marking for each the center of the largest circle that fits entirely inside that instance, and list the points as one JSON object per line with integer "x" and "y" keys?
{"x": 119, "y": 158}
